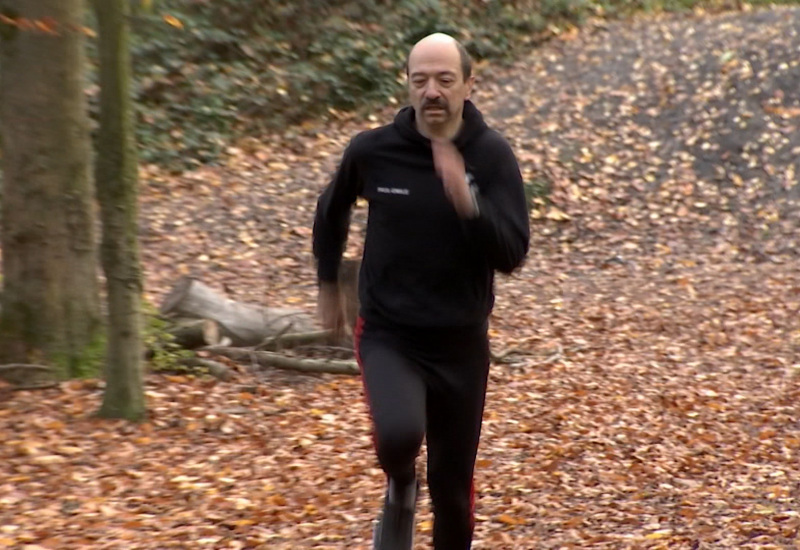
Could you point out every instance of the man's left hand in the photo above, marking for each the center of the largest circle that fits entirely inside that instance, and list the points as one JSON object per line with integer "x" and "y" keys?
{"x": 449, "y": 166}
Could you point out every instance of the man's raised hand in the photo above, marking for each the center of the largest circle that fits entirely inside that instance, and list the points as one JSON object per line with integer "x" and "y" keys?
{"x": 449, "y": 165}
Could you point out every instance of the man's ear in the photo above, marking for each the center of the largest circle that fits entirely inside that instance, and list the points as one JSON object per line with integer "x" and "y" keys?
{"x": 470, "y": 84}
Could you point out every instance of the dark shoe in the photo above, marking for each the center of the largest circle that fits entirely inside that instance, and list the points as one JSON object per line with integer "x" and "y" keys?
{"x": 395, "y": 528}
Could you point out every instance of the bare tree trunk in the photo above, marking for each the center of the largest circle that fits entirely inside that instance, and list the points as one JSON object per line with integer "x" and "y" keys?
{"x": 50, "y": 309}
{"x": 117, "y": 191}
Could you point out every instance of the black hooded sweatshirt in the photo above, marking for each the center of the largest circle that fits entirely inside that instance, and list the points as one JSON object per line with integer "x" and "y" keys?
{"x": 423, "y": 266}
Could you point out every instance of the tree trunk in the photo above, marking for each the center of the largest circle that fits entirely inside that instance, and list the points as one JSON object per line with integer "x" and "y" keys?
{"x": 50, "y": 290}
{"x": 116, "y": 177}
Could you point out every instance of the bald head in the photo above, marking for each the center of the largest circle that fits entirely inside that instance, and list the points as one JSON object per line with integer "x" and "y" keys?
{"x": 439, "y": 83}
{"x": 441, "y": 44}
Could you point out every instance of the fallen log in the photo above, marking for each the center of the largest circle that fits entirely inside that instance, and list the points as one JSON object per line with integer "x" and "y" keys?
{"x": 245, "y": 324}
{"x": 270, "y": 359}
{"x": 195, "y": 333}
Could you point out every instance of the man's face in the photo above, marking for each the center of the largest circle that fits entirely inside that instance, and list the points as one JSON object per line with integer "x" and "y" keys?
{"x": 436, "y": 84}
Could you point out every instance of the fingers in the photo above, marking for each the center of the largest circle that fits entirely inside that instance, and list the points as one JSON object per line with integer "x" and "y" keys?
{"x": 330, "y": 310}
{"x": 332, "y": 317}
{"x": 438, "y": 147}
{"x": 447, "y": 160}
{"x": 335, "y": 318}
{"x": 338, "y": 324}
{"x": 333, "y": 321}
{"x": 449, "y": 165}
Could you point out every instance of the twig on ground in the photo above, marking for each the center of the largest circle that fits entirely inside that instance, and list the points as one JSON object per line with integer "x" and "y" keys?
{"x": 43, "y": 386}
{"x": 275, "y": 342}
{"x": 12, "y": 373}
{"x": 327, "y": 349}
{"x": 558, "y": 355}
{"x": 24, "y": 366}
{"x": 503, "y": 358}
{"x": 216, "y": 369}
{"x": 294, "y": 339}
{"x": 270, "y": 359}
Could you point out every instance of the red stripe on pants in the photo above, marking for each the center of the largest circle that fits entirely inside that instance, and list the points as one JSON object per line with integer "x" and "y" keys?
{"x": 357, "y": 333}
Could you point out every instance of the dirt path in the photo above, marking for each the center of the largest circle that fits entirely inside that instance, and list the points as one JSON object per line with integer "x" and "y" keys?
{"x": 682, "y": 129}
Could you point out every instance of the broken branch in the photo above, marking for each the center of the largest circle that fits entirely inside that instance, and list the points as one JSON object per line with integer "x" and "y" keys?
{"x": 293, "y": 339}
{"x": 24, "y": 366}
{"x": 276, "y": 360}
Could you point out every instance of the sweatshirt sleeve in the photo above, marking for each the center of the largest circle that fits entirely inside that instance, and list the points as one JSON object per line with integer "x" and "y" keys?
{"x": 502, "y": 228}
{"x": 332, "y": 218}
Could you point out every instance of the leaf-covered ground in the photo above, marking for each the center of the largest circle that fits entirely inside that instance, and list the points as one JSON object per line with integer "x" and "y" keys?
{"x": 653, "y": 335}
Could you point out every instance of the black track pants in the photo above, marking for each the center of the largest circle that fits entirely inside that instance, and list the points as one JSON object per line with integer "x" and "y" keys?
{"x": 429, "y": 383}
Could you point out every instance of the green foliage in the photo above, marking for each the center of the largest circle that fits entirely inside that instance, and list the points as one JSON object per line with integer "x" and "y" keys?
{"x": 537, "y": 191}
{"x": 573, "y": 11}
{"x": 86, "y": 364}
{"x": 238, "y": 68}
{"x": 248, "y": 67}
{"x": 163, "y": 353}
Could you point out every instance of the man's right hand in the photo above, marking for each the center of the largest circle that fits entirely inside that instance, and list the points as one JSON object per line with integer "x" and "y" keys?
{"x": 330, "y": 310}
{"x": 449, "y": 165}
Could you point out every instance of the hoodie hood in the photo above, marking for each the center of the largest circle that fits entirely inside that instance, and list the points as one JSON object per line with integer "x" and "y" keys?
{"x": 473, "y": 126}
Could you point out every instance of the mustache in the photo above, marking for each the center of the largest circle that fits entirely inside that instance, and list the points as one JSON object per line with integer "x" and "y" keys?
{"x": 437, "y": 102}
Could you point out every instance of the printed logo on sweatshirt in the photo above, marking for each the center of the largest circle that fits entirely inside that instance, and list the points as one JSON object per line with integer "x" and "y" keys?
{"x": 394, "y": 191}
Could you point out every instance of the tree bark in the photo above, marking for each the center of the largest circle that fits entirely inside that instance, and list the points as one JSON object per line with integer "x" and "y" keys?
{"x": 244, "y": 324}
{"x": 116, "y": 177}
{"x": 50, "y": 292}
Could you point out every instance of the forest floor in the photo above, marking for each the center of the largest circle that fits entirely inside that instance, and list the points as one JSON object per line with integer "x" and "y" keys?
{"x": 652, "y": 398}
